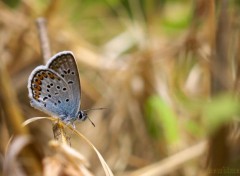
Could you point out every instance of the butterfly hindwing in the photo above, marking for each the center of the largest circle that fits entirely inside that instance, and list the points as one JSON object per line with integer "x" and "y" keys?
{"x": 49, "y": 92}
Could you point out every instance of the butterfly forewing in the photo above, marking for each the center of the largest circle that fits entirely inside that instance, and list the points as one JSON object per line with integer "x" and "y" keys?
{"x": 65, "y": 65}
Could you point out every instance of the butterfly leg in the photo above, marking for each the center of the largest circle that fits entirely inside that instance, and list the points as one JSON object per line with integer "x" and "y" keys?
{"x": 68, "y": 121}
{"x": 73, "y": 125}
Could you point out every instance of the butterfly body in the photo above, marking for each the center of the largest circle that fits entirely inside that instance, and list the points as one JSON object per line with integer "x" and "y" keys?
{"x": 55, "y": 88}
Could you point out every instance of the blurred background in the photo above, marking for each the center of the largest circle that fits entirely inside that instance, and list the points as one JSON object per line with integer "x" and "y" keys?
{"x": 166, "y": 70}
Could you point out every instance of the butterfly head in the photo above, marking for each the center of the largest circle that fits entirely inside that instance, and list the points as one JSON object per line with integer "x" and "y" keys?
{"x": 82, "y": 115}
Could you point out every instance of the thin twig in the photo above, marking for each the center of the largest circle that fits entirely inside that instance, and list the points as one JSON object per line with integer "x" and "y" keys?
{"x": 58, "y": 130}
{"x": 42, "y": 31}
{"x": 172, "y": 163}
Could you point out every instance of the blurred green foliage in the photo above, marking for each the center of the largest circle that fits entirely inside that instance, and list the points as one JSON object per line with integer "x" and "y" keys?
{"x": 176, "y": 17}
{"x": 221, "y": 109}
{"x": 161, "y": 120}
{"x": 12, "y": 3}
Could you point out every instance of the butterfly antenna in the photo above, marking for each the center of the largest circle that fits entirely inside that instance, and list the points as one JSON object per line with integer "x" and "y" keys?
{"x": 90, "y": 110}
{"x": 91, "y": 121}
{"x": 85, "y": 110}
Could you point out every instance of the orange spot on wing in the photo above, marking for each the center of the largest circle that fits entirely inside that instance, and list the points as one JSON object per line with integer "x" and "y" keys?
{"x": 36, "y": 97}
{"x": 40, "y": 76}
{"x": 44, "y": 74}
{"x": 51, "y": 75}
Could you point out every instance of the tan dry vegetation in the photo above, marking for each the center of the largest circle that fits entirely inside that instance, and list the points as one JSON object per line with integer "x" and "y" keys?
{"x": 168, "y": 90}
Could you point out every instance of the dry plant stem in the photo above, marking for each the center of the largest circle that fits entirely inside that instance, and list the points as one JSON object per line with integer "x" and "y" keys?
{"x": 218, "y": 157}
{"x": 59, "y": 132}
{"x": 172, "y": 163}
{"x": 46, "y": 52}
{"x": 237, "y": 81}
{"x": 14, "y": 119}
{"x": 9, "y": 104}
{"x": 106, "y": 168}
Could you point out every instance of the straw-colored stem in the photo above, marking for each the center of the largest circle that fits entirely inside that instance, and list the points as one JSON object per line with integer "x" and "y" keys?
{"x": 58, "y": 129}
{"x": 14, "y": 119}
{"x": 43, "y": 37}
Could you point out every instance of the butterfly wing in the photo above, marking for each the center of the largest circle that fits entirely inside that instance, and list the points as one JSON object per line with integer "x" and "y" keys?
{"x": 65, "y": 65}
{"x": 49, "y": 92}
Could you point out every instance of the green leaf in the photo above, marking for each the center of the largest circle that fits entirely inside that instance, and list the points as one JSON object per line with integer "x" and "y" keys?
{"x": 219, "y": 110}
{"x": 161, "y": 119}
{"x": 177, "y": 16}
{"x": 12, "y": 3}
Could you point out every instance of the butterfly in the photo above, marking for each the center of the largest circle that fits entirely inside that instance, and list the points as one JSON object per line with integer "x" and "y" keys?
{"x": 55, "y": 88}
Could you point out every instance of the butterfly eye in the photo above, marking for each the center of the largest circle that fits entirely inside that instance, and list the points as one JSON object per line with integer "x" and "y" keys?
{"x": 80, "y": 115}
